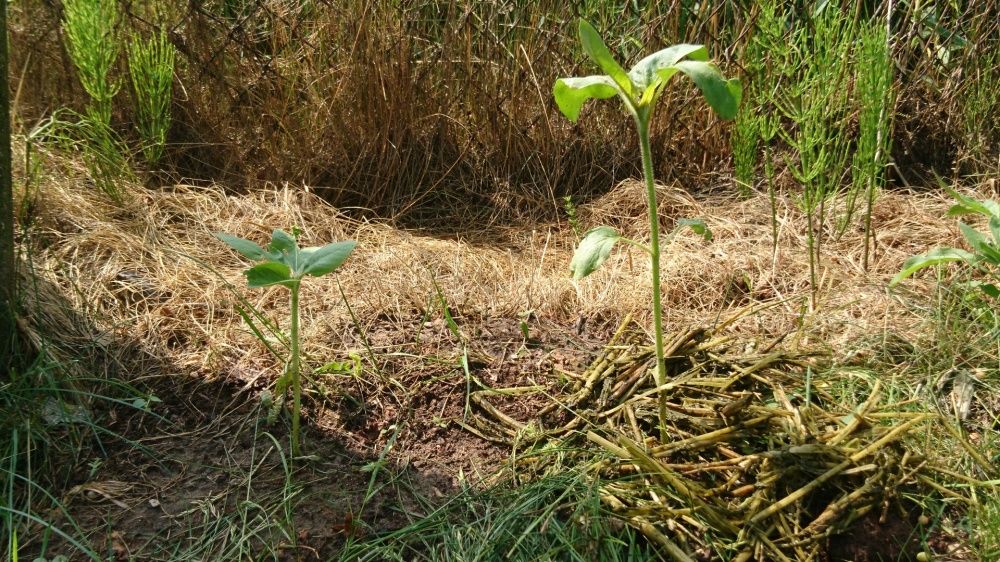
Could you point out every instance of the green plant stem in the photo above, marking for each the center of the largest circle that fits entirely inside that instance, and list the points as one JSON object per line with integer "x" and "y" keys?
{"x": 642, "y": 119}
{"x": 293, "y": 369}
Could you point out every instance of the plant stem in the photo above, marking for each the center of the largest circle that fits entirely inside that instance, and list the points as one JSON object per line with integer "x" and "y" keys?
{"x": 293, "y": 370}
{"x": 642, "y": 119}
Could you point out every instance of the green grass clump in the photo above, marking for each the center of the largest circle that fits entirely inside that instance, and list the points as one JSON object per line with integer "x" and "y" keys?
{"x": 557, "y": 517}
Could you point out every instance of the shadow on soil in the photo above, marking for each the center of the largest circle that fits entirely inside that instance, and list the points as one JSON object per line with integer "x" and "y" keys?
{"x": 201, "y": 475}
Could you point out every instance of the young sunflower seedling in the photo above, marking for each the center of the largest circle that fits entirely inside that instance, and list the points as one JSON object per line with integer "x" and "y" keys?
{"x": 639, "y": 89}
{"x": 285, "y": 264}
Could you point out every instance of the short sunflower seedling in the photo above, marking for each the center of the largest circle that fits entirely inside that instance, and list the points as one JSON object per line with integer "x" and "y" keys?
{"x": 639, "y": 89}
{"x": 284, "y": 263}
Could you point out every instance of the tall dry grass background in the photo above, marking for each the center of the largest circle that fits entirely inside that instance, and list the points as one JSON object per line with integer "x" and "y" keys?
{"x": 407, "y": 108}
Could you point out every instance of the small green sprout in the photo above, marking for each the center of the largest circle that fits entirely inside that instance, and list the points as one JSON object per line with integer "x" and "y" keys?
{"x": 639, "y": 89}
{"x": 285, "y": 264}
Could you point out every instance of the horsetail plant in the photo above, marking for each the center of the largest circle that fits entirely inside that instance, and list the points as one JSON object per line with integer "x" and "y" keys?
{"x": 639, "y": 89}
{"x": 93, "y": 47}
{"x": 285, "y": 264}
{"x": 151, "y": 68}
{"x": 873, "y": 87}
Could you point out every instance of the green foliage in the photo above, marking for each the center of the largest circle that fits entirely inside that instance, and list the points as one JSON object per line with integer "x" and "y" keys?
{"x": 49, "y": 416}
{"x": 639, "y": 90}
{"x": 766, "y": 59}
{"x": 980, "y": 98}
{"x": 93, "y": 46}
{"x": 875, "y": 95}
{"x": 569, "y": 207}
{"x": 816, "y": 104}
{"x": 102, "y": 151}
{"x": 556, "y": 517}
{"x": 593, "y": 250}
{"x": 151, "y": 67}
{"x": 642, "y": 85}
{"x": 985, "y": 254}
{"x": 284, "y": 263}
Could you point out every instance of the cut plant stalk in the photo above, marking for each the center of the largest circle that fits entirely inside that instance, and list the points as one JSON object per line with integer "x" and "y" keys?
{"x": 283, "y": 263}
{"x": 639, "y": 89}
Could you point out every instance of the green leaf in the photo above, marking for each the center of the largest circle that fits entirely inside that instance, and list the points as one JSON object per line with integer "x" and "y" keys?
{"x": 972, "y": 236}
{"x": 697, "y": 225}
{"x": 572, "y": 93}
{"x": 646, "y": 72}
{"x": 934, "y": 257}
{"x": 990, "y": 253}
{"x": 990, "y": 289}
{"x": 243, "y": 246}
{"x": 593, "y": 250}
{"x": 595, "y": 48}
{"x": 968, "y": 205}
{"x": 283, "y": 243}
{"x": 267, "y": 274}
{"x": 723, "y": 95}
{"x": 995, "y": 228}
{"x": 323, "y": 260}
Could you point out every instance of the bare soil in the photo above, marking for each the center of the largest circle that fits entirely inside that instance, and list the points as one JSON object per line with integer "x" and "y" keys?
{"x": 205, "y": 449}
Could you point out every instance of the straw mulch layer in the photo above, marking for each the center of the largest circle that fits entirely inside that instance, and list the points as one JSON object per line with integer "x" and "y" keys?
{"x": 756, "y": 460}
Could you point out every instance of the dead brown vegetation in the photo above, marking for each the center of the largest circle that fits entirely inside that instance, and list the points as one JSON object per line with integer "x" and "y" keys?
{"x": 413, "y": 108}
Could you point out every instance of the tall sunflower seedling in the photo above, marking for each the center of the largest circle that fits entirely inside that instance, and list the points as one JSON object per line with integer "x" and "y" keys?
{"x": 639, "y": 89}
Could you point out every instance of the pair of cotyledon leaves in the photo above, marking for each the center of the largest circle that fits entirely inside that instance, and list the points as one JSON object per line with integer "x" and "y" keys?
{"x": 639, "y": 89}
{"x": 983, "y": 250}
{"x": 284, "y": 263}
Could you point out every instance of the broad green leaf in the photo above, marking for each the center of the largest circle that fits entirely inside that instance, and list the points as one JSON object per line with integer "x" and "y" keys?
{"x": 972, "y": 236}
{"x": 934, "y": 257}
{"x": 723, "y": 95}
{"x": 697, "y": 225}
{"x": 647, "y": 71}
{"x": 572, "y": 93}
{"x": 243, "y": 246}
{"x": 968, "y": 205}
{"x": 990, "y": 253}
{"x": 995, "y": 228}
{"x": 594, "y": 46}
{"x": 593, "y": 250}
{"x": 323, "y": 260}
{"x": 267, "y": 274}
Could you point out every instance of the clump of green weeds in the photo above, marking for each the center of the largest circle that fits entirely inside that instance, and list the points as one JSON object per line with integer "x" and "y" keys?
{"x": 639, "y": 89}
{"x": 284, "y": 264}
{"x": 569, "y": 207}
{"x": 556, "y": 517}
